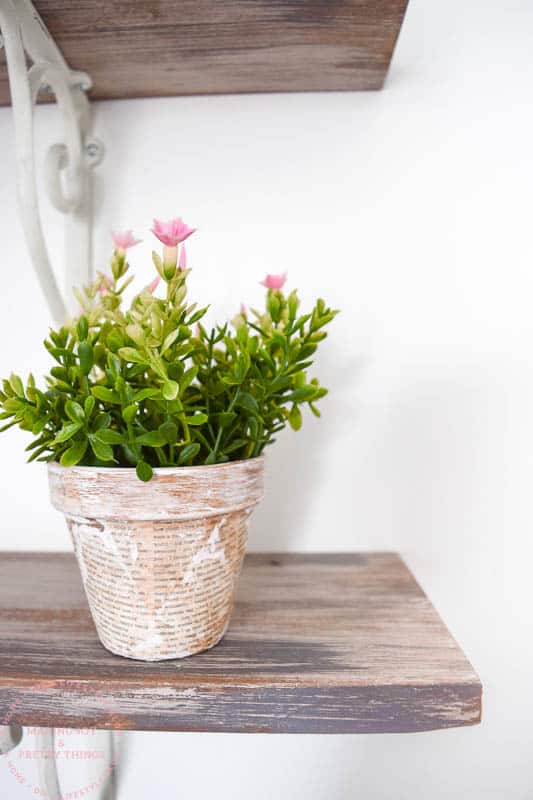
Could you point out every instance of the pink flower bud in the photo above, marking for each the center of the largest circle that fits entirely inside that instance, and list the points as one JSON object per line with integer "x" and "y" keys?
{"x": 154, "y": 284}
{"x": 173, "y": 232}
{"x": 124, "y": 240}
{"x": 105, "y": 284}
{"x": 275, "y": 281}
{"x": 183, "y": 258}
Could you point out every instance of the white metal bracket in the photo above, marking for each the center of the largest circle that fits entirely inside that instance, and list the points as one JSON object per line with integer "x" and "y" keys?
{"x": 67, "y": 166}
{"x": 67, "y": 175}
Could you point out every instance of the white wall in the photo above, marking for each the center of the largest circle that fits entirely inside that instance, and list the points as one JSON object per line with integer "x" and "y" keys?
{"x": 411, "y": 210}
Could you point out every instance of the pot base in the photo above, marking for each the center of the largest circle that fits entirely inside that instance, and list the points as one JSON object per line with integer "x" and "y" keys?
{"x": 174, "y": 657}
{"x": 160, "y": 590}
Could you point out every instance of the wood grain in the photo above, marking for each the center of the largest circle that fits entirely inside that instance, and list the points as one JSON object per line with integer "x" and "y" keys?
{"x": 344, "y": 643}
{"x": 166, "y": 48}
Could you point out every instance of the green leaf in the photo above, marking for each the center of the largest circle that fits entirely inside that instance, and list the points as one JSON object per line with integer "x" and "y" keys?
{"x": 305, "y": 351}
{"x": 169, "y": 340}
{"x": 274, "y": 306}
{"x": 225, "y": 418}
{"x": 169, "y": 431}
{"x": 151, "y": 439}
{"x": 74, "y": 411}
{"x": 188, "y": 377}
{"x": 16, "y": 385}
{"x": 115, "y": 340}
{"x": 295, "y": 418}
{"x": 107, "y": 436}
{"x": 103, "y": 452}
{"x": 86, "y": 357}
{"x": 101, "y": 421}
{"x": 197, "y": 419}
{"x": 229, "y": 380}
{"x": 82, "y": 328}
{"x": 36, "y": 443}
{"x": 280, "y": 382}
{"x": 170, "y": 390}
{"x": 247, "y": 401}
{"x": 131, "y": 354}
{"x": 241, "y": 367}
{"x": 188, "y": 453}
{"x": 293, "y": 304}
{"x": 300, "y": 322}
{"x": 158, "y": 263}
{"x": 88, "y": 406}
{"x": 74, "y": 454}
{"x": 114, "y": 365}
{"x": 61, "y": 373}
{"x": 302, "y": 394}
{"x": 13, "y": 404}
{"x": 37, "y": 453}
{"x": 67, "y": 432}
{"x": 236, "y": 445}
{"x": 145, "y": 394}
{"x": 136, "y": 333}
{"x": 197, "y": 315}
{"x": 278, "y": 340}
{"x": 314, "y": 409}
{"x": 8, "y": 425}
{"x": 130, "y": 412}
{"x": 301, "y": 365}
{"x": 253, "y": 426}
{"x": 105, "y": 395}
{"x": 144, "y": 471}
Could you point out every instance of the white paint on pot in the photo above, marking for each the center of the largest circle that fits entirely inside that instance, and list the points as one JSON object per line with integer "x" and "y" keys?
{"x": 159, "y": 568}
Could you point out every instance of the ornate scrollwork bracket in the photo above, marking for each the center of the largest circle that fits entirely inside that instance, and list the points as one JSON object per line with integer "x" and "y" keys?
{"x": 68, "y": 165}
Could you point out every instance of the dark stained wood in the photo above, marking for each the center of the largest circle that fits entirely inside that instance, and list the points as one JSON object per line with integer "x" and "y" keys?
{"x": 344, "y": 643}
{"x": 133, "y": 48}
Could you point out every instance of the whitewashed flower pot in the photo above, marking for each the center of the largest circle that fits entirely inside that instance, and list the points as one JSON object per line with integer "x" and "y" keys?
{"x": 159, "y": 560}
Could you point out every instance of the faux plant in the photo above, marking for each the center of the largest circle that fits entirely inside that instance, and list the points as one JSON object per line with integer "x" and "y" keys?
{"x": 150, "y": 386}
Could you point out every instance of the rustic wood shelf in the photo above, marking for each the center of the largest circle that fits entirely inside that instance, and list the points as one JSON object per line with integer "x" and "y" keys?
{"x": 343, "y": 643}
{"x": 139, "y": 49}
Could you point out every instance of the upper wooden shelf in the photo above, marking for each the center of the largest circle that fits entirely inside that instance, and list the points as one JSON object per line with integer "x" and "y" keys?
{"x": 162, "y": 48}
{"x": 318, "y": 643}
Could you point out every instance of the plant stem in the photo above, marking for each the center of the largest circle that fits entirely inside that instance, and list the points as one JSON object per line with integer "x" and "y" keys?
{"x": 221, "y": 430}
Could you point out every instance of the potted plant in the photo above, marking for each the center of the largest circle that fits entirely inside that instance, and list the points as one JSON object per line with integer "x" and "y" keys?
{"x": 153, "y": 427}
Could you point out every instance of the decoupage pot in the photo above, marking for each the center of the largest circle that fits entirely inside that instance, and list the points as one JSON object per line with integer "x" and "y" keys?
{"x": 159, "y": 560}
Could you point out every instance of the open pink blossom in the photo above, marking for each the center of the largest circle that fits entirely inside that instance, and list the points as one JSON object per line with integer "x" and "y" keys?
{"x": 173, "y": 232}
{"x": 275, "y": 281}
{"x": 183, "y": 258}
{"x": 154, "y": 284}
{"x": 124, "y": 240}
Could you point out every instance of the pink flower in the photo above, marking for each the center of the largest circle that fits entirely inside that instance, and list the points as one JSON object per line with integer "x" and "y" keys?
{"x": 243, "y": 310}
{"x": 124, "y": 240}
{"x": 173, "y": 232}
{"x": 183, "y": 258}
{"x": 275, "y": 281}
{"x": 155, "y": 283}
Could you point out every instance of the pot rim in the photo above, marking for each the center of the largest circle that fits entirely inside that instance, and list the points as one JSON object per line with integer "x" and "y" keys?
{"x": 158, "y": 470}
{"x": 173, "y": 493}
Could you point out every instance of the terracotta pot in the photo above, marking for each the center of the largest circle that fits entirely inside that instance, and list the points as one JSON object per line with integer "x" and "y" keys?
{"x": 159, "y": 560}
